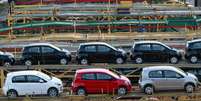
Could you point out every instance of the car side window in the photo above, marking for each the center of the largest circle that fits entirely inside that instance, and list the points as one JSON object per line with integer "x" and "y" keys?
{"x": 19, "y": 79}
{"x": 156, "y": 74}
{"x": 196, "y": 45}
{"x": 171, "y": 74}
{"x": 48, "y": 50}
{"x": 90, "y": 48}
{"x": 88, "y": 76}
{"x": 144, "y": 47}
{"x": 102, "y": 76}
{"x": 34, "y": 50}
{"x": 157, "y": 47}
{"x": 33, "y": 79}
{"x": 103, "y": 49}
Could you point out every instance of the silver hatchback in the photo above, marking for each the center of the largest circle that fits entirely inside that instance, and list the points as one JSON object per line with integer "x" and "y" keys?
{"x": 156, "y": 78}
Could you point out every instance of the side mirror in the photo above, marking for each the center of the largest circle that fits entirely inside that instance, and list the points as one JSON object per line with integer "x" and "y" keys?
{"x": 41, "y": 81}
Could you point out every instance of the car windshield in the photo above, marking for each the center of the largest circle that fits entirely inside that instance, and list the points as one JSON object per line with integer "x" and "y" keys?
{"x": 111, "y": 47}
{"x": 181, "y": 71}
{"x": 46, "y": 76}
{"x": 55, "y": 47}
{"x": 114, "y": 74}
{"x": 166, "y": 46}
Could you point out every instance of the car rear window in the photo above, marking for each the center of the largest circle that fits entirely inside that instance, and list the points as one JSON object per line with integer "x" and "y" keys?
{"x": 34, "y": 50}
{"x": 19, "y": 79}
{"x": 88, "y": 76}
{"x": 156, "y": 74}
{"x": 196, "y": 45}
{"x": 143, "y": 47}
{"x": 90, "y": 48}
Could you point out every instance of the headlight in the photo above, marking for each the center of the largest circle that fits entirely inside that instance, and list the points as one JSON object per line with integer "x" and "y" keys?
{"x": 67, "y": 53}
{"x": 10, "y": 57}
{"x": 58, "y": 84}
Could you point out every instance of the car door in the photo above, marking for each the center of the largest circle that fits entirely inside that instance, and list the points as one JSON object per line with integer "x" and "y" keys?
{"x": 34, "y": 54}
{"x": 90, "y": 53}
{"x": 19, "y": 83}
{"x": 104, "y": 82}
{"x": 197, "y": 48}
{"x": 157, "y": 79}
{"x": 174, "y": 80}
{"x": 88, "y": 80}
{"x": 37, "y": 85}
{"x": 145, "y": 49}
{"x": 158, "y": 52}
{"x": 49, "y": 55}
{"x": 104, "y": 53}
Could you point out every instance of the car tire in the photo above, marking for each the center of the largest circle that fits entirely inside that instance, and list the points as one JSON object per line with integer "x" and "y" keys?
{"x": 174, "y": 60}
{"x": 121, "y": 91}
{"x": 63, "y": 61}
{"x": 12, "y": 94}
{"x": 119, "y": 60}
{"x": 81, "y": 91}
{"x": 84, "y": 61}
{"x": 138, "y": 60}
{"x": 53, "y": 92}
{"x": 149, "y": 90}
{"x": 28, "y": 62}
{"x": 6, "y": 64}
{"x": 193, "y": 59}
{"x": 189, "y": 88}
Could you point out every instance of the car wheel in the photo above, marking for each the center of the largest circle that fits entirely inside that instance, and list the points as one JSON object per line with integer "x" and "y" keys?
{"x": 53, "y": 92}
{"x": 193, "y": 59}
{"x": 149, "y": 90}
{"x": 84, "y": 61}
{"x": 119, "y": 60}
{"x": 121, "y": 91}
{"x": 174, "y": 60}
{"x": 189, "y": 88}
{"x": 138, "y": 60}
{"x": 28, "y": 63}
{"x": 7, "y": 64}
{"x": 63, "y": 61}
{"x": 81, "y": 91}
{"x": 12, "y": 94}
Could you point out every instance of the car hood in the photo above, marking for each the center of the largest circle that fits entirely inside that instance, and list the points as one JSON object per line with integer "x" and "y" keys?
{"x": 124, "y": 78}
{"x": 66, "y": 51}
{"x": 56, "y": 80}
{"x": 7, "y": 54}
{"x": 192, "y": 75}
{"x": 121, "y": 50}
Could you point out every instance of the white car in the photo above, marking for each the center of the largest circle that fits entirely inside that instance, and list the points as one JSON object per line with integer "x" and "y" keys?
{"x": 157, "y": 78}
{"x": 31, "y": 83}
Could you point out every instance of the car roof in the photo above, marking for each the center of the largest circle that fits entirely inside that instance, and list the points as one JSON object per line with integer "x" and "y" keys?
{"x": 142, "y": 42}
{"x": 159, "y": 68}
{"x": 92, "y": 70}
{"x": 195, "y": 40}
{"x": 38, "y": 44}
{"x": 27, "y": 72}
{"x": 94, "y": 43}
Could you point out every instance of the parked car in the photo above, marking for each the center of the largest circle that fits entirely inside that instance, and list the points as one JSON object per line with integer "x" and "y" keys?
{"x": 45, "y": 53}
{"x": 89, "y": 81}
{"x": 157, "y": 78}
{"x": 154, "y": 51}
{"x": 193, "y": 51}
{"x": 6, "y": 58}
{"x": 31, "y": 83}
{"x": 100, "y": 52}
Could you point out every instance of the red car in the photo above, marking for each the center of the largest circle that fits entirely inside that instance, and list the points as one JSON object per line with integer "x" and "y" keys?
{"x": 90, "y": 81}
